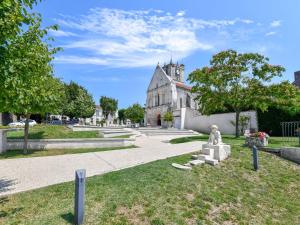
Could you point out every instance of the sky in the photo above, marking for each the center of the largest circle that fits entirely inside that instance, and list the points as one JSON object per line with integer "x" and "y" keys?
{"x": 111, "y": 47}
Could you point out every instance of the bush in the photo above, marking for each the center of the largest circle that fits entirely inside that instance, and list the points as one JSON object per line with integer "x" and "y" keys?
{"x": 270, "y": 120}
{"x": 168, "y": 117}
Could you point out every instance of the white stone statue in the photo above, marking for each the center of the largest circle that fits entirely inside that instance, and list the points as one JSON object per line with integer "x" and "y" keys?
{"x": 215, "y": 137}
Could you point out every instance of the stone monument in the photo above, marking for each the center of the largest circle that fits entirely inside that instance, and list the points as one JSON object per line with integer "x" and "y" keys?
{"x": 212, "y": 153}
{"x": 215, "y": 148}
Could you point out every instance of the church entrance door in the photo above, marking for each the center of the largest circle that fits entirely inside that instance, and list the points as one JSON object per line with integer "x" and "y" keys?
{"x": 158, "y": 120}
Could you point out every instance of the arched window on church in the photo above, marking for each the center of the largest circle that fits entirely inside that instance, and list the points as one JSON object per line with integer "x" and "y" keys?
{"x": 188, "y": 101}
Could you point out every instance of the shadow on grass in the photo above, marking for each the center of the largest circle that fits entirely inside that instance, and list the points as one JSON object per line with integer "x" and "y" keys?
{"x": 69, "y": 217}
{"x": 5, "y": 185}
{"x": 16, "y": 154}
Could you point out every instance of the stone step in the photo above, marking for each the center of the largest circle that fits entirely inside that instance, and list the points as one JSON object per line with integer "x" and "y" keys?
{"x": 196, "y": 162}
{"x": 212, "y": 162}
{"x": 204, "y": 157}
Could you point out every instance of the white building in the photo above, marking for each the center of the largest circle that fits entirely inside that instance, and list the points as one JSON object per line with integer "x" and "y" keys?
{"x": 99, "y": 116}
{"x": 168, "y": 92}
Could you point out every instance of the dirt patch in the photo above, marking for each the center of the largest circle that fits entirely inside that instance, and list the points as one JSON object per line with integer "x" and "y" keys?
{"x": 214, "y": 215}
{"x": 190, "y": 197}
{"x": 134, "y": 215}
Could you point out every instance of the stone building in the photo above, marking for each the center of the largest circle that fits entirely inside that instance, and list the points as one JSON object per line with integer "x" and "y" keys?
{"x": 6, "y": 118}
{"x": 297, "y": 79}
{"x": 167, "y": 91}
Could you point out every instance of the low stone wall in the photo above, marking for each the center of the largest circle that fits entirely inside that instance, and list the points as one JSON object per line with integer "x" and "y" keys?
{"x": 93, "y": 128}
{"x": 40, "y": 144}
{"x": 292, "y": 154}
{"x": 289, "y": 153}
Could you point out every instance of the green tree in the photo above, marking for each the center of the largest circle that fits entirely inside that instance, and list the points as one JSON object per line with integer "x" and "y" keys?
{"x": 108, "y": 105}
{"x": 121, "y": 115}
{"x": 236, "y": 81}
{"x": 79, "y": 103}
{"x": 168, "y": 117}
{"x": 26, "y": 76}
{"x": 135, "y": 113}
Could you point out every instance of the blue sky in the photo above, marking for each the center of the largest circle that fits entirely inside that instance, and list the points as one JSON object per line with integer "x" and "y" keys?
{"x": 112, "y": 46}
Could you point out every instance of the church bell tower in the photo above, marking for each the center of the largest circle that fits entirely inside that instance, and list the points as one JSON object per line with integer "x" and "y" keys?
{"x": 175, "y": 71}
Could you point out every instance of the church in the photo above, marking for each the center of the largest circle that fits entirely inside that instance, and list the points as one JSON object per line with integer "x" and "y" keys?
{"x": 167, "y": 91}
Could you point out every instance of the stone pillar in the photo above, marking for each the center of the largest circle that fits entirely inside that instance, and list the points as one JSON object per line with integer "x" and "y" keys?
{"x": 182, "y": 118}
{"x": 2, "y": 141}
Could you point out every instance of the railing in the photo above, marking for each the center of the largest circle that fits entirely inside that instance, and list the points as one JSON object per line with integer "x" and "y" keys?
{"x": 291, "y": 132}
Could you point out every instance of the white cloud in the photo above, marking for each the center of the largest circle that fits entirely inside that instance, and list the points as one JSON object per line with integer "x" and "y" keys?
{"x": 70, "y": 59}
{"x": 275, "y": 23}
{"x": 181, "y": 13}
{"x": 137, "y": 38}
{"x": 271, "y": 33}
{"x": 61, "y": 33}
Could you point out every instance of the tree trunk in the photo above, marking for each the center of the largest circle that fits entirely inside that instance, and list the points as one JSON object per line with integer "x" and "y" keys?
{"x": 237, "y": 118}
{"x": 26, "y": 132}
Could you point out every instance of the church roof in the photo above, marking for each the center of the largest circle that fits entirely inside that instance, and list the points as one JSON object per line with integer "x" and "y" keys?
{"x": 182, "y": 85}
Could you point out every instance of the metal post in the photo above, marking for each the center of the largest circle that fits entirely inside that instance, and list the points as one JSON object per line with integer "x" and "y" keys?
{"x": 79, "y": 196}
{"x": 255, "y": 157}
{"x": 299, "y": 134}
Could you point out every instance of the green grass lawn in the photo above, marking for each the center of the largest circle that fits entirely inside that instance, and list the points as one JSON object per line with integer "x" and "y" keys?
{"x": 123, "y": 136}
{"x": 232, "y": 140}
{"x": 52, "y": 132}
{"x": 3, "y": 127}
{"x": 156, "y": 194}
{"x": 50, "y": 152}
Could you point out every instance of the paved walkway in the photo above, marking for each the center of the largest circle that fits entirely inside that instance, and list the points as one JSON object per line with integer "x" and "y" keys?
{"x": 17, "y": 175}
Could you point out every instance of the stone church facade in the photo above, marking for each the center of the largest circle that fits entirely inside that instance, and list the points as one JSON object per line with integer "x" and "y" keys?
{"x": 167, "y": 91}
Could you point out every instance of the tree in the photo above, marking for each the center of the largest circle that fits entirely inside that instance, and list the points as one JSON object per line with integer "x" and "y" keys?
{"x": 121, "y": 114}
{"x": 26, "y": 76}
{"x": 168, "y": 117}
{"x": 236, "y": 81}
{"x": 135, "y": 113}
{"x": 243, "y": 123}
{"x": 108, "y": 105}
{"x": 79, "y": 103}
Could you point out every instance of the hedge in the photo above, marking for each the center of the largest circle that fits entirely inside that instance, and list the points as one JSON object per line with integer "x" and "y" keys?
{"x": 270, "y": 120}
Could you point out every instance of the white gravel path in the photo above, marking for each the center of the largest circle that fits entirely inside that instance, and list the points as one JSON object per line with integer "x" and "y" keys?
{"x": 17, "y": 175}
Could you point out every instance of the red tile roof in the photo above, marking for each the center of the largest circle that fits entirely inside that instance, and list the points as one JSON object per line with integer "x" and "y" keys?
{"x": 182, "y": 85}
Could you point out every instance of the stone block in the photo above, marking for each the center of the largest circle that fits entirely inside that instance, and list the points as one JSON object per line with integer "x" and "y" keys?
{"x": 220, "y": 152}
{"x": 212, "y": 162}
{"x": 3, "y": 141}
{"x": 181, "y": 167}
{"x": 204, "y": 157}
{"x": 208, "y": 151}
{"x": 195, "y": 156}
{"x": 196, "y": 162}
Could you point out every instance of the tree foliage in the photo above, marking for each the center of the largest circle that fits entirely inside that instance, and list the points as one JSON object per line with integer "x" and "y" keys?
{"x": 135, "y": 113}
{"x": 26, "y": 75}
{"x": 235, "y": 81}
{"x": 79, "y": 103}
{"x": 121, "y": 114}
{"x": 108, "y": 105}
{"x": 14, "y": 14}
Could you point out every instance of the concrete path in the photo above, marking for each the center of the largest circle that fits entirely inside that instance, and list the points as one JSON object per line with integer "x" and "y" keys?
{"x": 17, "y": 175}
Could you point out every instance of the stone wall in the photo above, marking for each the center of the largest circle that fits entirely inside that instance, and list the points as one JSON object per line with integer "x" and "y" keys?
{"x": 195, "y": 121}
{"x": 73, "y": 143}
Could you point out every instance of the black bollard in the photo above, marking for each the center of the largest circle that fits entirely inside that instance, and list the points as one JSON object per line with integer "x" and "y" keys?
{"x": 255, "y": 157}
{"x": 79, "y": 196}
